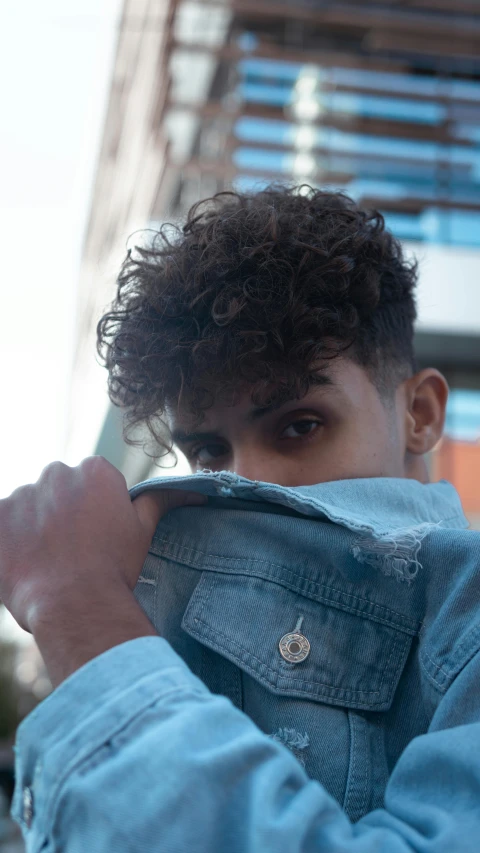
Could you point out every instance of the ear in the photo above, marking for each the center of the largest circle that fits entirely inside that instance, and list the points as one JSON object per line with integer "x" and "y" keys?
{"x": 426, "y": 396}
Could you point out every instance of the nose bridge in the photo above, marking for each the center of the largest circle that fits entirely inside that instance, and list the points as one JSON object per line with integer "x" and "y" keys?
{"x": 245, "y": 468}
{"x": 252, "y": 464}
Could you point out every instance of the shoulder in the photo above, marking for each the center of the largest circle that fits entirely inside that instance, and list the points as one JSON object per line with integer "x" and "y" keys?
{"x": 450, "y": 632}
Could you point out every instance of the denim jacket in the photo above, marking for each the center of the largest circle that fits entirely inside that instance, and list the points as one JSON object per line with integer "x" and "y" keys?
{"x": 315, "y": 685}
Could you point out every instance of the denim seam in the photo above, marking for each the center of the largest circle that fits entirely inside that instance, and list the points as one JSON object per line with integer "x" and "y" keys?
{"x": 217, "y": 631}
{"x": 198, "y": 591}
{"x": 274, "y": 683}
{"x": 327, "y": 602}
{"x": 367, "y": 767}
{"x": 437, "y": 666}
{"x": 355, "y": 598}
{"x": 463, "y": 646}
{"x": 431, "y": 678}
{"x": 457, "y": 657}
{"x": 458, "y": 652}
{"x": 354, "y": 729}
{"x": 301, "y": 686}
{"x": 353, "y": 753}
{"x": 271, "y": 681}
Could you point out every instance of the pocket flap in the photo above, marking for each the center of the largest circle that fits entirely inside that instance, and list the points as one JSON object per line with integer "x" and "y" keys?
{"x": 353, "y": 660}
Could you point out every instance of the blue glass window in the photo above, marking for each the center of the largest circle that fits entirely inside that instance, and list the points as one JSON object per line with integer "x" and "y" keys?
{"x": 386, "y": 168}
{"x": 463, "y": 415}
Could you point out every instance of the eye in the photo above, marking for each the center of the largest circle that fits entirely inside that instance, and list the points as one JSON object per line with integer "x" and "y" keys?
{"x": 199, "y": 453}
{"x": 304, "y": 427}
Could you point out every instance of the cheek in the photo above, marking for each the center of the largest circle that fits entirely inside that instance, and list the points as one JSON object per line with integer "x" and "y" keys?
{"x": 374, "y": 450}
{"x": 364, "y": 447}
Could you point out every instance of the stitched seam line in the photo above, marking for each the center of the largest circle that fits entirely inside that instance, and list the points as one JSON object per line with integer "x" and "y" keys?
{"x": 437, "y": 666}
{"x": 262, "y": 663}
{"x": 300, "y": 577}
{"x": 463, "y": 646}
{"x": 456, "y": 659}
{"x": 238, "y": 646}
{"x": 347, "y": 608}
{"x": 367, "y": 767}
{"x": 353, "y": 755}
{"x": 431, "y": 678}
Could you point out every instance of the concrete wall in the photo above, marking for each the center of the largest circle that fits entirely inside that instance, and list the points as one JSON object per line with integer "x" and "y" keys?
{"x": 449, "y": 288}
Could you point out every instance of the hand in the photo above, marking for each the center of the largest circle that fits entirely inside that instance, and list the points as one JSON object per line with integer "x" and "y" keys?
{"x": 74, "y": 532}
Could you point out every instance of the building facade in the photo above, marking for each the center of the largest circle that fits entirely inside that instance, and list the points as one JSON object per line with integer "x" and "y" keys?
{"x": 381, "y": 99}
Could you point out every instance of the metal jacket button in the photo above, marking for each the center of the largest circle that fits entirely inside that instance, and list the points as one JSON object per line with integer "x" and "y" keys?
{"x": 294, "y": 647}
{"x": 27, "y": 806}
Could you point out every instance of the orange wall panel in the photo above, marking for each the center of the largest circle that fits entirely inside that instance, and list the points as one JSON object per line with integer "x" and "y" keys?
{"x": 459, "y": 462}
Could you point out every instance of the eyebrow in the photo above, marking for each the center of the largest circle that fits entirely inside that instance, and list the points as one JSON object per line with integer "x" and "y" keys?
{"x": 179, "y": 436}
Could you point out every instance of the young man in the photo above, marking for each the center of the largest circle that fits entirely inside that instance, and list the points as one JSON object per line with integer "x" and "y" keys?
{"x": 326, "y": 599}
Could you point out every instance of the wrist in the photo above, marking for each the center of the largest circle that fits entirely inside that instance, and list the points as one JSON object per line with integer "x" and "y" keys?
{"x": 71, "y": 632}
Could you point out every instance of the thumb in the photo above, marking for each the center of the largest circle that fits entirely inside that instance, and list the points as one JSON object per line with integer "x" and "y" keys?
{"x": 151, "y": 506}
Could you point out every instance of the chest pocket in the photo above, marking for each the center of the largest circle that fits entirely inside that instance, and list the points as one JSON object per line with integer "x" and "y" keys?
{"x": 352, "y": 667}
{"x": 353, "y": 660}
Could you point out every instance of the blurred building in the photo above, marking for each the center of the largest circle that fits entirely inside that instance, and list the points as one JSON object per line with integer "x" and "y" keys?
{"x": 24, "y": 683}
{"x": 380, "y": 98}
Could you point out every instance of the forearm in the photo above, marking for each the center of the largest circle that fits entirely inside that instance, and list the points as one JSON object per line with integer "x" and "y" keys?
{"x": 69, "y": 633}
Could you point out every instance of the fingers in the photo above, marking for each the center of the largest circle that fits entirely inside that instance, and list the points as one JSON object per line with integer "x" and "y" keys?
{"x": 151, "y": 506}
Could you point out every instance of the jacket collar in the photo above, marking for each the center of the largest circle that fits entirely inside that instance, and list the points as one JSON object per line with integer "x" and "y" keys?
{"x": 376, "y": 505}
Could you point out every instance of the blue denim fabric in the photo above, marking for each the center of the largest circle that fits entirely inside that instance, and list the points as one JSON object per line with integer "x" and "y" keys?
{"x": 206, "y": 738}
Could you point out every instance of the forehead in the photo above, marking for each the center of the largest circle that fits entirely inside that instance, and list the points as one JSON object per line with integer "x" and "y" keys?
{"x": 342, "y": 380}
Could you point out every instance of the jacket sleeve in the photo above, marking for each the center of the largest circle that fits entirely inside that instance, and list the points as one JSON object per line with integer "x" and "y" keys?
{"x": 133, "y": 753}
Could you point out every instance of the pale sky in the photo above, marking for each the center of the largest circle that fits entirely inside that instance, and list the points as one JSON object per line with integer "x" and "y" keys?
{"x": 55, "y": 65}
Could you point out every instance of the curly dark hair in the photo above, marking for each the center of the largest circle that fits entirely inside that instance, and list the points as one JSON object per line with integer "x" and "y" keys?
{"x": 255, "y": 291}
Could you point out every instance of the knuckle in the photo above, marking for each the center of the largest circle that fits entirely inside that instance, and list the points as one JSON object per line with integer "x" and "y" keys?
{"x": 21, "y": 492}
{"x": 99, "y": 463}
{"x": 54, "y": 468}
{"x": 55, "y": 464}
{"x": 94, "y": 462}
